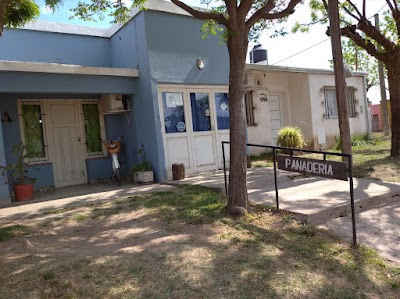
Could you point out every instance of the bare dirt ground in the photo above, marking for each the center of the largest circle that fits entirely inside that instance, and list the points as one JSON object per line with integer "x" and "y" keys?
{"x": 378, "y": 228}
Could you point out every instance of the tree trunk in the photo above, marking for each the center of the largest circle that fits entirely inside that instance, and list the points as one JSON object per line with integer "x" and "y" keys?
{"x": 237, "y": 47}
{"x": 340, "y": 83}
{"x": 384, "y": 105}
{"x": 394, "y": 89}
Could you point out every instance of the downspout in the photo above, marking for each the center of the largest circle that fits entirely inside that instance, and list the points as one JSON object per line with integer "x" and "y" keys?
{"x": 367, "y": 114}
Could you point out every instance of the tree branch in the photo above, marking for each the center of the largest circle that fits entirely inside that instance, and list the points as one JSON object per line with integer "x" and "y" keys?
{"x": 390, "y": 4}
{"x": 203, "y": 15}
{"x": 264, "y": 13}
{"x": 355, "y": 8}
{"x": 244, "y": 7}
{"x": 259, "y": 13}
{"x": 351, "y": 14}
{"x": 350, "y": 32}
{"x": 371, "y": 31}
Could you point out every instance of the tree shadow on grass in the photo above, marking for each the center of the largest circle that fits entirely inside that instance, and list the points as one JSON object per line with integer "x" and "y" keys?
{"x": 179, "y": 245}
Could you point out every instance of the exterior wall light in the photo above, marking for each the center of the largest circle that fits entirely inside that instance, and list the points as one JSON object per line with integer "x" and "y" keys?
{"x": 200, "y": 63}
{"x": 5, "y": 118}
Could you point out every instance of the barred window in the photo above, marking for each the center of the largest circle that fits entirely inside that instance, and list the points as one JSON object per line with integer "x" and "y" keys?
{"x": 331, "y": 110}
{"x": 92, "y": 129}
{"x": 248, "y": 97}
{"x": 32, "y": 127}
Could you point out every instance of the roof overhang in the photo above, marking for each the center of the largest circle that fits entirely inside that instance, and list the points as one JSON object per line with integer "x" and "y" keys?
{"x": 70, "y": 69}
{"x": 276, "y": 68}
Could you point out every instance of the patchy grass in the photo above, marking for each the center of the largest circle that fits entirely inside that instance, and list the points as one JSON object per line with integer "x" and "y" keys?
{"x": 370, "y": 159}
{"x": 9, "y": 232}
{"x": 179, "y": 244}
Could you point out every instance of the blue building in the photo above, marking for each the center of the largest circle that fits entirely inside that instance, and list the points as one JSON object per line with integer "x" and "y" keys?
{"x": 154, "y": 80}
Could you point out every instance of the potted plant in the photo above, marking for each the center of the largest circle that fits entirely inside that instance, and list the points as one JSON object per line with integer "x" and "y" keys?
{"x": 142, "y": 172}
{"x": 17, "y": 174}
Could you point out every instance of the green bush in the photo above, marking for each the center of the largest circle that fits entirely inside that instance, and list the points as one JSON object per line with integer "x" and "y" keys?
{"x": 356, "y": 140}
{"x": 290, "y": 137}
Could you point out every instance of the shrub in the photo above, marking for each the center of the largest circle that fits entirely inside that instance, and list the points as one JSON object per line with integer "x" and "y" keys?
{"x": 356, "y": 140}
{"x": 290, "y": 137}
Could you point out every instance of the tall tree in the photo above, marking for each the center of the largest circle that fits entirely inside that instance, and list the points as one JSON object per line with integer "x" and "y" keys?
{"x": 381, "y": 43}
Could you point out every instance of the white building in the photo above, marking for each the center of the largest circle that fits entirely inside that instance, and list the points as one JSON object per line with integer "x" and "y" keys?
{"x": 283, "y": 96}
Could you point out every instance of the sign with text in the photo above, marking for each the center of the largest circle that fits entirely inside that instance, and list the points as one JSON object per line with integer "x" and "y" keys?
{"x": 327, "y": 169}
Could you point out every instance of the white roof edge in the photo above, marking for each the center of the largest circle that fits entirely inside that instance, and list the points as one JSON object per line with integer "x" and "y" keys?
{"x": 71, "y": 69}
{"x": 278, "y": 68}
{"x": 64, "y": 28}
{"x": 154, "y": 5}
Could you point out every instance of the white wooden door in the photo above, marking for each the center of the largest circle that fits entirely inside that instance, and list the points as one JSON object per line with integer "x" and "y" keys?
{"x": 66, "y": 144}
{"x": 275, "y": 114}
{"x": 203, "y": 136}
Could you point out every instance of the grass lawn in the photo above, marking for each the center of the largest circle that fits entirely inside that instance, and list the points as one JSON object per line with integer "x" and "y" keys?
{"x": 369, "y": 161}
{"x": 179, "y": 244}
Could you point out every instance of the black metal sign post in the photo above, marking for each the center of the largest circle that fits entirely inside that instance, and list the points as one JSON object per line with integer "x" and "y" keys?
{"x": 324, "y": 168}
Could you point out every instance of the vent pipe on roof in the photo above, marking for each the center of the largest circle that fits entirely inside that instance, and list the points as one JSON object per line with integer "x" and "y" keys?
{"x": 258, "y": 54}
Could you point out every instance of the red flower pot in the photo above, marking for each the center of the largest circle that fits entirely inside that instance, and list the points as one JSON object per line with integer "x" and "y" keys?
{"x": 23, "y": 192}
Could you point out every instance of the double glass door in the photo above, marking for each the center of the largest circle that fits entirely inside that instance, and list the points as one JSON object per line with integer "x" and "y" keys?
{"x": 193, "y": 120}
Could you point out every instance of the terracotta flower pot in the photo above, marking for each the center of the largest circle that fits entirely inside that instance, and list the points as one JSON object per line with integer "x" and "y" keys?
{"x": 23, "y": 192}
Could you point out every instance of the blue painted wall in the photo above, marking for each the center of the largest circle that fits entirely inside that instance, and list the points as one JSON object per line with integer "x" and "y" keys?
{"x": 37, "y": 46}
{"x": 174, "y": 44}
{"x": 124, "y": 47}
{"x": 57, "y": 83}
{"x": 168, "y": 51}
{"x": 4, "y": 191}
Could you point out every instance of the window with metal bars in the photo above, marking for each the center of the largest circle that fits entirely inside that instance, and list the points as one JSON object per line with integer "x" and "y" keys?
{"x": 248, "y": 97}
{"x": 33, "y": 136}
{"x": 331, "y": 110}
{"x": 92, "y": 129}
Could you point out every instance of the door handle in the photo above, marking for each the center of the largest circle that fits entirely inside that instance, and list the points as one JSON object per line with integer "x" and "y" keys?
{"x": 78, "y": 138}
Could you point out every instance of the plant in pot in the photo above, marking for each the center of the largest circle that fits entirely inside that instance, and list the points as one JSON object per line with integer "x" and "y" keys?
{"x": 17, "y": 173}
{"x": 142, "y": 172}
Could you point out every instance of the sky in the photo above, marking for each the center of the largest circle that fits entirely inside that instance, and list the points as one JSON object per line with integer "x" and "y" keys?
{"x": 309, "y": 50}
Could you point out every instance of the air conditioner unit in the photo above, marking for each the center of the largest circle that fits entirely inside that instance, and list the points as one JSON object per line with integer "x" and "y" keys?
{"x": 113, "y": 103}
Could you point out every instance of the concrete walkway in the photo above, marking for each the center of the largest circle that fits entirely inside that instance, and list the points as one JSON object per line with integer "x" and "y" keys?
{"x": 73, "y": 196}
{"x": 313, "y": 200}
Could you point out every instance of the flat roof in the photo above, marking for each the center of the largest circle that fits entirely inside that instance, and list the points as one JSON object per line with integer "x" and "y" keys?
{"x": 278, "y": 68}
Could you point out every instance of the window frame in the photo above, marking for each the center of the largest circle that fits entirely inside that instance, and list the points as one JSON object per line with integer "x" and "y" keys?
{"x": 248, "y": 101}
{"x": 20, "y": 103}
{"x": 350, "y": 103}
{"x": 103, "y": 152}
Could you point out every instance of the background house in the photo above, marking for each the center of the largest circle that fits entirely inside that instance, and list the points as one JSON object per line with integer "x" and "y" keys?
{"x": 305, "y": 98}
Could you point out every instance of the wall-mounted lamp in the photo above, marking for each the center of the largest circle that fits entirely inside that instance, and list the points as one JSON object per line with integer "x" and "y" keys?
{"x": 200, "y": 63}
{"x": 6, "y": 118}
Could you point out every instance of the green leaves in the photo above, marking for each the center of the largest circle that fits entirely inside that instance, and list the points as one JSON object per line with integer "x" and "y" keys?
{"x": 19, "y": 12}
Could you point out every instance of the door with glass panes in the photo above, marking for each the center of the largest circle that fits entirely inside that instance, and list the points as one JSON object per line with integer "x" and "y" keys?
{"x": 190, "y": 127}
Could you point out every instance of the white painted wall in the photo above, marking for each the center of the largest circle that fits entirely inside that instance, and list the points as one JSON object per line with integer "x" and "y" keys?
{"x": 275, "y": 83}
{"x": 358, "y": 124}
{"x": 302, "y": 105}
